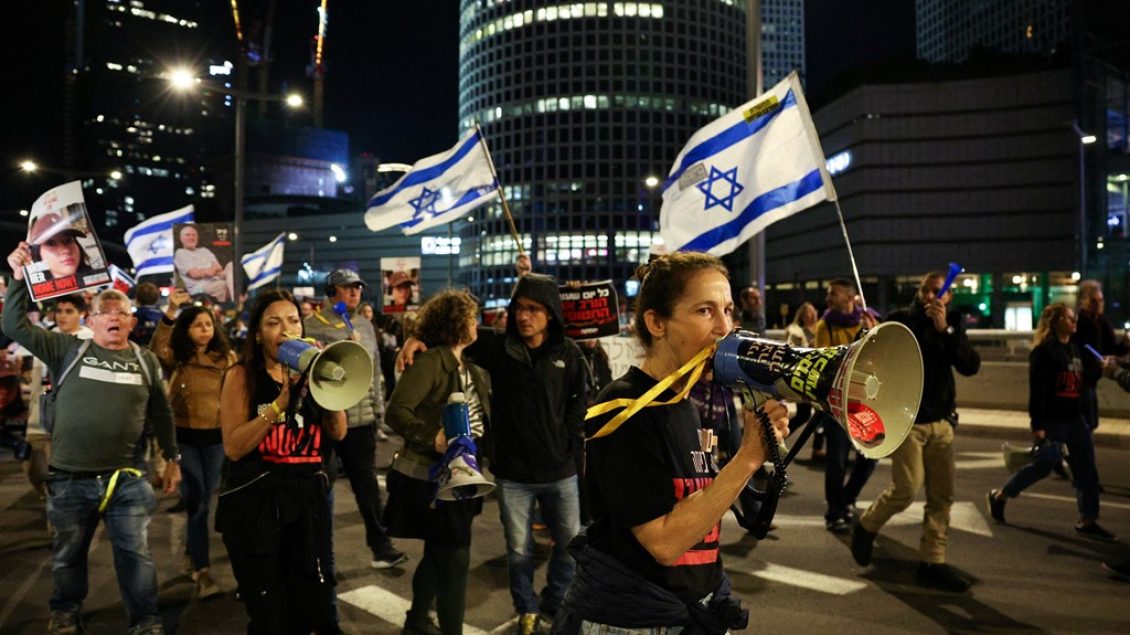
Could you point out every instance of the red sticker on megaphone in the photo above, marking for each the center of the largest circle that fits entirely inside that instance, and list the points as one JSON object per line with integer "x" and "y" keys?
{"x": 865, "y": 425}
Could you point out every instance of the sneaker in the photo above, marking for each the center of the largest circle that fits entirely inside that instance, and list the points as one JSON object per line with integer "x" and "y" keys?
{"x": 1120, "y": 570}
{"x": 839, "y": 526}
{"x": 206, "y": 587}
{"x": 862, "y": 543}
{"x": 420, "y": 625}
{"x": 941, "y": 576}
{"x": 528, "y": 624}
{"x": 150, "y": 627}
{"x": 996, "y": 502}
{"x": 1093, "y": 530}
{"x": 388, "y": 558}
{"x": 64, "y": 623}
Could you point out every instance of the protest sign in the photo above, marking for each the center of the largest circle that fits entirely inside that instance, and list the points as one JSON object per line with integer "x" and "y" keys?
{"x": 590, "y": 310}
{"x": 66, "y": 255}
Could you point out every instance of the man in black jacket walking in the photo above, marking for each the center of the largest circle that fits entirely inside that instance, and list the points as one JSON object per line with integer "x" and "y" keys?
{"x": 926, "y": 457}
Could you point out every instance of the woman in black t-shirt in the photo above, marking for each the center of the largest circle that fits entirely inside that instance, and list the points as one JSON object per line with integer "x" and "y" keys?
{"x": 272, "y": 509}
{"x": 657, "y": 499}
{"x": 1055, "y": 376}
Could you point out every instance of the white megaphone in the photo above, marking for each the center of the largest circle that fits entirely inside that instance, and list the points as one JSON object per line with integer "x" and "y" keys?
{"x": 457, "y": 474}
{"x": 872, "y": 387}
{"x": 340, "y": 374}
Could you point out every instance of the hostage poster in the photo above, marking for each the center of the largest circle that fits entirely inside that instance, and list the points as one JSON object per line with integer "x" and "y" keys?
{"x": 590, "y": 310}
{"x": 65, "y": 252}
{"x": 400, "y": 283}
{"x": 202, "y": 260}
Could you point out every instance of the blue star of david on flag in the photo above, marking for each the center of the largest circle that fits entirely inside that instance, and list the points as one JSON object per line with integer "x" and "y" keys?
{"x": 424, "y": 204}
{"x": 159, "y": 244}
{"x": 717, "y": 176}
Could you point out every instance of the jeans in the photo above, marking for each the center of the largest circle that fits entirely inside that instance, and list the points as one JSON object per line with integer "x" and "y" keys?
{"x": 592, "y": 628}
{"x": 72, "y": 508}
{"x": 560, "y": 506}
{"x": 924, "y": 458}
{"x": 1089, "y": 401}
{"x": 1080, "y": 456}
{"x": 358, "y": 458}
{"x": 837, "y": 494}
{"x": 200, "y": 467}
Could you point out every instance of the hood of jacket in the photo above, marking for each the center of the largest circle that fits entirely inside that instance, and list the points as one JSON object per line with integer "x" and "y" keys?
{"x": 539, "y": 288}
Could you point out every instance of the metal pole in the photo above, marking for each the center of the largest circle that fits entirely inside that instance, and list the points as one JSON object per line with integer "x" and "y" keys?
{"x": 755, "y": 83}
{"x": 1082, "y": 208}
{"x": 237, "y": 266}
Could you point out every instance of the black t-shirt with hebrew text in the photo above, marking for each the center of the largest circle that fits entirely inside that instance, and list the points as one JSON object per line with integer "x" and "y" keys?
{"x": 638, "y": 473}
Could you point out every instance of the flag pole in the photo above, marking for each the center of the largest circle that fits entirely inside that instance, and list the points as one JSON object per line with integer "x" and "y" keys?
{"x": 851, "y": 254}
{"x": 501, "y": 196}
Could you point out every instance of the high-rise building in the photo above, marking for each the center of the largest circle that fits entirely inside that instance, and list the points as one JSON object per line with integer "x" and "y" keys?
{"x": 585, "y": 106}
{"x": 948, "y": 30}
{"x": 120, "y": 116}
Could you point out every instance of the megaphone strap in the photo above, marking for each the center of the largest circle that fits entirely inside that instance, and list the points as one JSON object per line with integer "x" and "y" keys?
{"x": 631, "y": 406}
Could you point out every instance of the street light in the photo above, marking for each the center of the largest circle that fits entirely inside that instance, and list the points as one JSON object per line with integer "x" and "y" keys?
{"x": 1084, "y": 139}
{"x": 29, "y": 166}
{"x": 651, "y": 182}
{"x": 181, "y": 80}
{"x": 32, "y": 167}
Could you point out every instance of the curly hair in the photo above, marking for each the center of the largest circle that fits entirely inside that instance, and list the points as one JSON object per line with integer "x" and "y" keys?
{"x": 184, "y": 349}
{"x": 443, "y": 318}
{"x": 663, "y": 280}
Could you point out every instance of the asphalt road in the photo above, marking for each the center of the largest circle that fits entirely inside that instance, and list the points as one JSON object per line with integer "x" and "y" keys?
{"x": 1034, "y": 575}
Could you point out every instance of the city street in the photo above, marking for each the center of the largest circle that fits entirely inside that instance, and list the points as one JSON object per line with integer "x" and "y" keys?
{"x": 1034, "y": 575}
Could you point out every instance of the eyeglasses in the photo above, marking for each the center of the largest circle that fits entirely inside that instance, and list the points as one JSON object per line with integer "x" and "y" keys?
{"x": 125, "y": 315}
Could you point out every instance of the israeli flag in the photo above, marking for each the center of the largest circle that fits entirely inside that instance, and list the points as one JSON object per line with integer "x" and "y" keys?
{"x": 150, "y": 243}
{"x": 264, "y": 264}
{"x": 438, "y": 189}
{"x": 743, "y": 172}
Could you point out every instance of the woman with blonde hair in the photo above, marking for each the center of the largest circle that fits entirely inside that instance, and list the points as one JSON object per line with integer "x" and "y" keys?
{"x": 1055, "y": 377}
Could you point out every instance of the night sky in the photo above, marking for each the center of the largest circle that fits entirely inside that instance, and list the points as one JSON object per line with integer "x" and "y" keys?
{"x": 392, "y": 69}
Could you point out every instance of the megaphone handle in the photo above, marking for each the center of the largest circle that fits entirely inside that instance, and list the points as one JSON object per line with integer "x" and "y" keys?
{"x": 752, "y": 400}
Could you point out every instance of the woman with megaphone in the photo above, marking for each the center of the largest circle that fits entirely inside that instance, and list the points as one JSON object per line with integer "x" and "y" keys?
{"x": 650, "y": 558}
{"x": 273, "y": 499}
{"x": 448, "y": 323}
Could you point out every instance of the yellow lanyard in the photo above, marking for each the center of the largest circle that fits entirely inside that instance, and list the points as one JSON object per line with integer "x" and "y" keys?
{"x": 631, "y": 406}
{"x": 323, "y": 320}
{"x": 114, "y": 484}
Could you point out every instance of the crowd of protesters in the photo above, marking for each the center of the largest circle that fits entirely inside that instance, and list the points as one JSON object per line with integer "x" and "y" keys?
{"x": 197, "y": 402}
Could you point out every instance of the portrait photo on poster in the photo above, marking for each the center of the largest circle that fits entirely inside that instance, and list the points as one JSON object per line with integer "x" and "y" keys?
{"x": 66, "y": 255}
{"x": 202, "y": 260}
{"x": 400, "y": 281}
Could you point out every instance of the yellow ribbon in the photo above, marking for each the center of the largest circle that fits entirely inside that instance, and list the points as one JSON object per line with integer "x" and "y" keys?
{"x": 694, "y": 367}
{"x": 114, "y": 484}
{"x": 323, "y": 320}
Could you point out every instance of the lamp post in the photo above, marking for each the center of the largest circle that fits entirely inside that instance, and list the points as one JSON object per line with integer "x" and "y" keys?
{"x": 1082, "y": 141}
{"x": 183, "y": 80}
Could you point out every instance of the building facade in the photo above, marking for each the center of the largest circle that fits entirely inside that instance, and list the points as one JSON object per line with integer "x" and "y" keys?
{"x": 122, "y": 119}
{"x": 983, "y": 172}
{"x": 948, "y": 30}
{"x": 585, "y": 106}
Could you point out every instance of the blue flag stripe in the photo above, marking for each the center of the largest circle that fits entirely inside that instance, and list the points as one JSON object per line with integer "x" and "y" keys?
{"x": 266, "y": 273}
{"x": 141, "y": 230}
{"x": 768, "y": 201}
{"x": 467, "y": 198}
{"x": 261, "y": 253}
{"x": 736, "y": 133}
{"x": 427, "y": 174}
{"x": 163, "y": 261}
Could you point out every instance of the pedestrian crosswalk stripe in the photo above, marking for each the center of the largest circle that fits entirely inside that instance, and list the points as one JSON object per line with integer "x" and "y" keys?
{"x": 808, "y": 579}
{"x": 387, "y": 605}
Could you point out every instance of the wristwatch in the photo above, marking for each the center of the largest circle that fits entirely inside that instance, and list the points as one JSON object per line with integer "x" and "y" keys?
{"x": 175, "y": 459}
{"x": 950, "y": 330}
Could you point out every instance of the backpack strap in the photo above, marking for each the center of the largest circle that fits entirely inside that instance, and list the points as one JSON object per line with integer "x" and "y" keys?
{"x": 74, "y": 360}
{"x": 141, "y": 362}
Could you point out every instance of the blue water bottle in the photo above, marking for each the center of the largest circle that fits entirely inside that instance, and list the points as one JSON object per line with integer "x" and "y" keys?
{"x": 456, "y": 417}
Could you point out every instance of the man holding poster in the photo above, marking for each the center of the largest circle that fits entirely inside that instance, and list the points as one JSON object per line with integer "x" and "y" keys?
{"x": 65, "y": 255}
